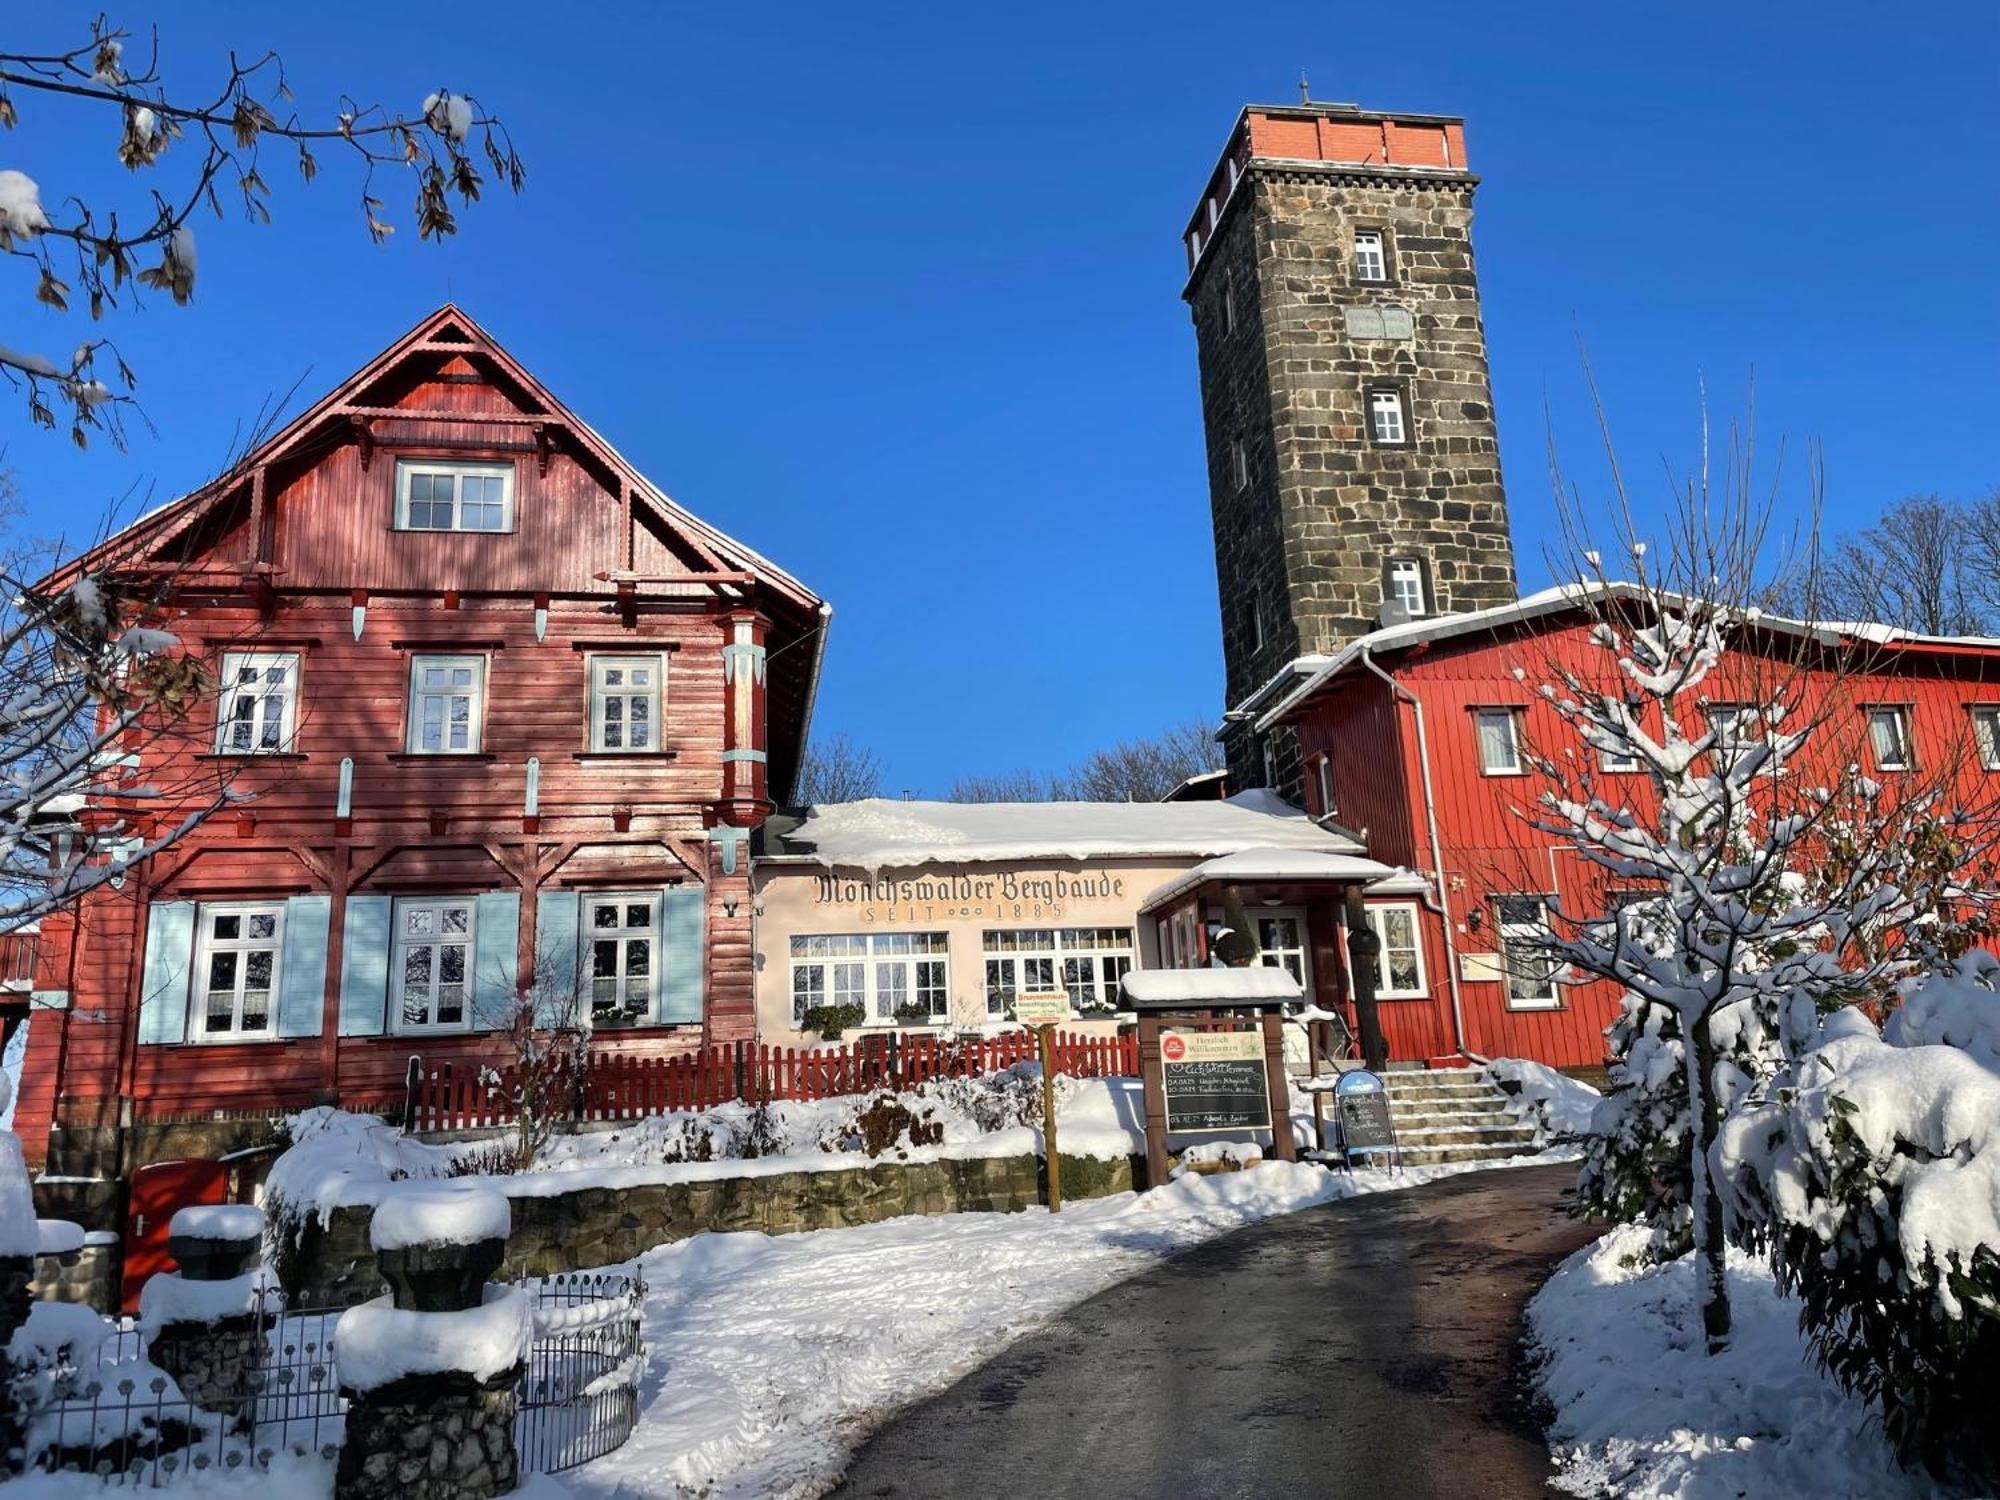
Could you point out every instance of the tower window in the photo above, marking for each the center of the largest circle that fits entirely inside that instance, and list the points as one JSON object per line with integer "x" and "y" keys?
{"x": 1370, "y": 263}
{"x": 1405, "y": 586}
{"x": 1239, "y": 464}
{"x": 1229, "y": 306}
{"x": 1268, "y": 753}
{"x": 1386, "y": 422}
{"x": 1253, "y": 621}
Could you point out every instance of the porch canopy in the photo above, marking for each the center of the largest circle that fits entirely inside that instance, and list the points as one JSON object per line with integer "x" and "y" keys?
{"x": 1291, "y": 877}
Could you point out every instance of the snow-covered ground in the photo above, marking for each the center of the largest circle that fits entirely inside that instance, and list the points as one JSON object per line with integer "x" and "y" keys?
{"x": 1643, "y": 1412}
{"x": 1560, "y": 1107}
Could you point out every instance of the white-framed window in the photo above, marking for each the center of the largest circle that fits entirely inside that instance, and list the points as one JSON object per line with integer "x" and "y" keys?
{"x": 1499, "y": 734}
{"x": 1323, "y": 784}
{"x": 447, "y": 704}
{"x": 1385, "y": 416}
{"x": 1617, "y": 762}
{"x": 1734, "y": 727}
{"x": 1370, "y": 263}
{"x": 432, "y": 964}
{"x": 1399, "y": 968}
{"x": 1281, "y": 944}
{"x": 623, "y": 933}
{"x": 1406, "y": 586}
{"x": 1239, "y": 463}
{"x": 257, "y": 713}
{"x": 1889, "y": 737}
{"x": 238, "y": 948}
{"x": 897, "y": 978}
{"x": 1086, "y": 963}
{"x": 1529, "y": 967}
{"x": 625, "y": 698}
{"x": 1268, "y": 753}
{"x": 441, "y": 496}
{"x": 1986, "y": 734}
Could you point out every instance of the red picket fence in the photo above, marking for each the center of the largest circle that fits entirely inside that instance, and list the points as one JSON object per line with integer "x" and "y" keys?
{"x": 619, "y": 1086}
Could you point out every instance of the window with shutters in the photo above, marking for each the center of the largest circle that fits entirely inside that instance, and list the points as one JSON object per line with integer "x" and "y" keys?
{"x": 625, "y": 702}
{"x": 257, "y": 711}
{"x": 447, "y": 704}
{"x": 624, "y": 948}
{"x": 237, "y": 952}
{"x": 432, "y": 496}
{"x": 431, "y": 975}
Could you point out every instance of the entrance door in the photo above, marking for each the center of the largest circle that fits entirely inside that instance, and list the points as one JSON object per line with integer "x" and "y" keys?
{"x": 1281, "y": 943}
{"x": 158, "y": 1193}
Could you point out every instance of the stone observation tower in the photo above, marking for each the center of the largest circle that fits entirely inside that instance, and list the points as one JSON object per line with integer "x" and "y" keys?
{"x": 1353, "y": 464}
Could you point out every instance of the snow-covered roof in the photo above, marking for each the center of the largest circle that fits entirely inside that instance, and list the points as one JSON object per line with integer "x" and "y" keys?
{"x": 1269, "y": 867}
{"x": 1428, "y": 629}
{"x": 1222, "y": 986}
{"x": 882, "y": 834}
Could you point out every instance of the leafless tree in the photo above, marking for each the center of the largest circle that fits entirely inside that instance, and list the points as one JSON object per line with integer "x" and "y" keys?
{"x": 1143, "y": 770}
{"x": 547, "y": 1030}
{"x": 836, "y": 769}
{"x": 1004, "y": 786}
{"x": 79, "y": 246}
{"x": 1910, "y": 569}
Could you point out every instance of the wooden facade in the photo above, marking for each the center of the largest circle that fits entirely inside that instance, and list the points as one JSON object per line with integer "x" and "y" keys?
{"x": 494, "y": 810}
{"x": 1379, "y": 734}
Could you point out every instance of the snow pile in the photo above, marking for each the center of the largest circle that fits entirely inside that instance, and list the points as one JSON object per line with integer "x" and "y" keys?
{"x": 465, "y": 1212}
{"x": 449, "y": 114}
{"x": 338, "y": 1160}
{"x": 169, "y": 1298}
{"x": 58, "y": 1237}
{"x": 1258, "y": 982}
{"x": 378, "y": 1343}
{"x": 18, "y": 1232}
{"x": 1560, "y": 1107}
{"x": 1959, "y": 1008}
{"x": 10, "y": 1071}
{"x": 1221, "y": 1156}
{"x": 219, "y": 1221}
{"x": 21, "y": 215}
{"x": 1642, "y": 1411}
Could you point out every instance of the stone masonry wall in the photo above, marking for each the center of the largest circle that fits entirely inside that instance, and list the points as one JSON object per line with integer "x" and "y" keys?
{"x": 603, "y": 1226}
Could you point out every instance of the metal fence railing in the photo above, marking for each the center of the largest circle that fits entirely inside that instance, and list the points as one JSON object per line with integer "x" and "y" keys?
{"x": 112, "y": 1412}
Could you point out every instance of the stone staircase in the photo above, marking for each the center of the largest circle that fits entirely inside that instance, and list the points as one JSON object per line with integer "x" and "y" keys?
{"x": 1453, "y": 1115}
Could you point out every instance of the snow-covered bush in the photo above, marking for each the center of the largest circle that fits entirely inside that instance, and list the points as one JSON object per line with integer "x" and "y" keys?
{"x": 1872, "y": 1179}
{"x": 1560, "y": 1108}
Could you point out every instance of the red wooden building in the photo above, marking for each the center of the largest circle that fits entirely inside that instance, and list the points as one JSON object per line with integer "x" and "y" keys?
{"x": 1417, "y": 738}
{"x": 504, "y": 716}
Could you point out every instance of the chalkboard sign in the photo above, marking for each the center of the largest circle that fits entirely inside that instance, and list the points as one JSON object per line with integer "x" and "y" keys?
{"x": 1215, "y": 1080}
{"x": 1363, "y": 1105}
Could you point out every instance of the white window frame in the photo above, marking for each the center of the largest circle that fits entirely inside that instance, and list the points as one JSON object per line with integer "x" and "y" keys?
{"x": 625, "y": 934}
{"x": 1268, "y": 753}
{"x": 476, "y": 733}
{"x": 1378, "y": 919}
{"x": 1371, "y": 255}
{"x": 1986, "y": 734}
{"x": 1387, "y": 401}
{"x": 601, "y": 694}
{"x": 408, "y": 468}
{"x": 879, "y": 953}
{"x": 1323, "y": 783}
{"x": 1897, "y": 716}
{"x": 1724, "y": 721}
{"x": 1273, "y": 958}
{"x": 1618, "y": 763}
{"x": 207, "y": 945}
{"x": 1239, "y": 463}
{"x": 1076, "y": 958}
{"x": 1512, "y": 716}
{"x": 259, "y": 693}
{"x": 1406, "y": 583}
{"x": 1523, "y": 931}
{"x": 402, "y": 941}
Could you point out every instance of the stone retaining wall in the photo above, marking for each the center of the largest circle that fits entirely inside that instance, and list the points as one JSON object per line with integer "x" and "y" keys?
{"x": 596, "y": 1226}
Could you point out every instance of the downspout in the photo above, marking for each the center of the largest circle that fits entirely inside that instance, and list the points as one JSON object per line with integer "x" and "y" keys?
{"x": 1443, "y": 905}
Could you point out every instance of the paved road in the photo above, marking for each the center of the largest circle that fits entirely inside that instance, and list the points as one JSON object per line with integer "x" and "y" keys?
{"x": 1365, "y": 1348}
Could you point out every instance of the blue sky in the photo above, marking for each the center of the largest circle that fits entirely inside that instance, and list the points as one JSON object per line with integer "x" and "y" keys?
{"x": 893, "y": 292}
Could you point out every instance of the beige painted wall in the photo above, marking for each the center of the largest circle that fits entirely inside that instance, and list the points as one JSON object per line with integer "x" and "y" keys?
{"x": 962, "y": 901}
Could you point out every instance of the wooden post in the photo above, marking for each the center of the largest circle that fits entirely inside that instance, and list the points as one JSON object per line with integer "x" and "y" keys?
{"x": 1362, "y": 949}
{"x": 1050, "y": 1151}
{"x": 1282, "y": 1143}
{"x": 1153, "y": 1090}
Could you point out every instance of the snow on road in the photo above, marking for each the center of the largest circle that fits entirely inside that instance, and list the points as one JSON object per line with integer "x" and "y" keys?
{"x": 1644, "y": 1413}
{"x": 770, "y": 1359}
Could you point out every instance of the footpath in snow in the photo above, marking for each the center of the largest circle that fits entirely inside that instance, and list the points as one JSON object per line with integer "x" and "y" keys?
{"x": 1643, "y": 1412}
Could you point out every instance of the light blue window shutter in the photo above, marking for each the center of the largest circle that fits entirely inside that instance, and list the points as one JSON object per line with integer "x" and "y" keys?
{"x": 556, "y": 974}
{"x": 163, "y": 993}
{"x": 682, "y": 953}
{"x": 302, "y": 966}
{"x": 496, "y": 958}
{"x": 364, "y": 965}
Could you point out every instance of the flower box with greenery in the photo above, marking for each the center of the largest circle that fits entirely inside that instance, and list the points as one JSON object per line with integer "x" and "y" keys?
{"x": 830, "y": 1021}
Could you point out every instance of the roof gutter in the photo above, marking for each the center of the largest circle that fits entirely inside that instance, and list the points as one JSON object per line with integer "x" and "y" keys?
{"x": 1397, "y": 690}
{"x": 812, "y": 697}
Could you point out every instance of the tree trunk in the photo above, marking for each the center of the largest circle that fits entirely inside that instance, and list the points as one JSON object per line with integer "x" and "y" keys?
{"x": 1710, "y": 1250}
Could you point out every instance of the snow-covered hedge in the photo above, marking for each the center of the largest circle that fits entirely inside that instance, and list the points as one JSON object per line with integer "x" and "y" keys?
{"x": 1872, "y": 1178}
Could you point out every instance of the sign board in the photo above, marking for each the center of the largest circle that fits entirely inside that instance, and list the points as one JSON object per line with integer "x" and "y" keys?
{"x": 1481, "y": 968}
{"x": 1215, "y": 1080}
{"x": 1048, "y": 1008}
{"x": 1363, "y": 1105}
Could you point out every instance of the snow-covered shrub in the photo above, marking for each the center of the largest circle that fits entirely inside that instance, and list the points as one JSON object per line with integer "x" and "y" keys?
{"x": 1872, "y": 1179}
{"x": 1957, "y": 1008}
{"x": 1560, "y": 1108}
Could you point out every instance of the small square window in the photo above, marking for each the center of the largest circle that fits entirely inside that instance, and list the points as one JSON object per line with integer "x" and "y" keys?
{"x": 1386, "y": 420}
{"x": 454, "y": 497}
{"x": 1889, "y": 738}
{"x": 1370, "y": 263}
{"x": 1617, "y": 762}
{"x": 1499, "y": 733}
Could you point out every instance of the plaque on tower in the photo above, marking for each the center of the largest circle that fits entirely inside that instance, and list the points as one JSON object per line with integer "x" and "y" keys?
{"x": 1379, "y": 323}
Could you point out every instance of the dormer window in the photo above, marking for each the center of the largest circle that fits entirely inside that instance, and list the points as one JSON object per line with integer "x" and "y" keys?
{"x": 433, "y": 496}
